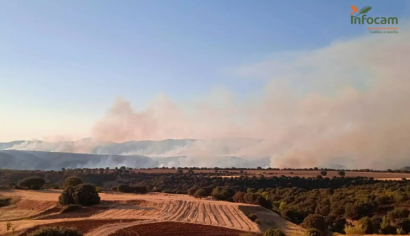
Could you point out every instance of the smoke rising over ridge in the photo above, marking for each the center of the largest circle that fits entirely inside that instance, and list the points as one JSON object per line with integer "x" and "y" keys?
{"x": 347, "y": 103}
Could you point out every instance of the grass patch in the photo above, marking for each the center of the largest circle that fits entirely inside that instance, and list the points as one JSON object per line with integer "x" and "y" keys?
{"x": 358, "y": 229}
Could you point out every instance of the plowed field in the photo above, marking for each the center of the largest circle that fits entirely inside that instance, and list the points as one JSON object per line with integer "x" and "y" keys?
{"x": 176, "y": 229}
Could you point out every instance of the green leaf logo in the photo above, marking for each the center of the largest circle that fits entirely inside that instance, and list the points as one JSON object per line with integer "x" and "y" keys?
{"x": 364, "y": 10}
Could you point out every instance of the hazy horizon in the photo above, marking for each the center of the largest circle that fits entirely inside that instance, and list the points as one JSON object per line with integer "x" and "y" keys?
{"x": 310, "y": 84}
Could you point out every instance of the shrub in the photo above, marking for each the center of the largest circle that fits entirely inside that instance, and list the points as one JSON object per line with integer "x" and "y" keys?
{"x": 70, "y": 208}
{"x": 72, "y": 181}
{"x": 34, "y": 183}
{"x": 358, "y": 229}
{"x": 192, "y": 190}
{"x": 99, "y": 189}
{"x": 86, "y": 195}
{"x": 200, "y": 193}
{"x": 358, "y": 210}
{"x": 341, "y": 173}
{"x": 313, "y": 232}
{"x": 386, "y": 228}
{"x": 323, "y": 172}
{"x": 403, "y": 225}
{"x": 252, "y": 217}
{"x": 314, "y": 221}
{"x": 273, "y": 232}
{"x": 293, "y": 215}
{"x": 219, "y": 193}
{"x": 239, "y": 197}
{"x": 66, "y": 197}
{"x": 5, "y": 202}
{"x": 398, "y": 212}
{"x": 55, "y": 231}
{"x": 83, "y": 194}
{"x": 124, "y": 188}
{"x": 367, "y": 225}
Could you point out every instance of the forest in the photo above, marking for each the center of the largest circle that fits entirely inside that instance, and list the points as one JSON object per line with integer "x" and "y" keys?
{"x": 353, "y": 205}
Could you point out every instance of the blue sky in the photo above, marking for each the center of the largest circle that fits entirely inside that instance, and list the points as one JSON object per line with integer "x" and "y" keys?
{"x": 62, "y": 63}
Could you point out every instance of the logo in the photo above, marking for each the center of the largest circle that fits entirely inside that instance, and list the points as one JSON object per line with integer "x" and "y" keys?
{"x": 361, "y": 18}
{"x": 370, "y": 20}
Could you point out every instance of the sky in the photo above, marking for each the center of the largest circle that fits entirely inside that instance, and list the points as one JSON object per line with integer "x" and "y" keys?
{"x": 63, "y": 64}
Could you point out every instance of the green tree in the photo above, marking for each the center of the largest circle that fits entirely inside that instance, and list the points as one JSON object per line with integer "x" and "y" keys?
{"x": 72, "y": 181}
{"x": 367, "y": 225}
{"x": 192, "y": 190}
{"x": 34, "y": 182}
{"x": 66, "y": 197}
{"x": 314, "y": 221}
{"x": 83, "y": 194}
{"x": 86, "y": 195}
{"x": 200, "y": 193}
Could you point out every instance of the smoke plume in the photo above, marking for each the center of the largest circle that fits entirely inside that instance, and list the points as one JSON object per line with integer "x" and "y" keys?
{"x": 347, "y": 103}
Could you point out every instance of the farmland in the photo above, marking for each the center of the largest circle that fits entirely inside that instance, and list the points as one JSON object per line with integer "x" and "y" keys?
{"x": 218, "y": 201}
{"x": 118, "y": 211}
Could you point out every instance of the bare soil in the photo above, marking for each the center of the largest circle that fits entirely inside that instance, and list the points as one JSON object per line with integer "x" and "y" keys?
{"x": 152, "y": 208}
{"x": 83, "y": 226}
{"x": 176, "y": 229}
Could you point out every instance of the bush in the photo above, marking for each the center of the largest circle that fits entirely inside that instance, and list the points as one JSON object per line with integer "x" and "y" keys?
{"x": 70, "y": 208}
{"x": 72, "y": 181}
{"x": 358, "y": 210}
{"x": 83, "y": 194}
{"x": 55, "y": 231}
{"x": 386, "y": 228}
{"x": 5, "y": 202}
{"x": 323, "y": 172}
{"x": 367, "y": 225}
{"x": 293, "y": 215}
{"x": 398, "y": 213}
{"x": 34, "y": 183}
{"x": 192, "y": 190}
{"x": 341, "y": 173}
{"x": 239, "y": 197}
{"x": 124, "y": 188}
{"x": 99, "y": 189}
{"x": 313, "y": 232}
{"x": 86, "y": 195}
{"x": 358, "y": 229}
{"x": 314, "y": 221}
{"x": 200, "y": 193}
{"x": 252, "y": 217}
{"x": 273, "y": 232}
{"x": 219, "y": 193}
{"x": 403, "y": 225}
{"x": 66, "y": 197}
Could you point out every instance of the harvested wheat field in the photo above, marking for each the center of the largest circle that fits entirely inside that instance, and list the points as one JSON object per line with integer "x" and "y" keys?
{"x": 120, "y": 211}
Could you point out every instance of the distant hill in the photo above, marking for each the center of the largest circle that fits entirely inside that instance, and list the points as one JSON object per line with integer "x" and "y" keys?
{"x": 34, "y": 160}
{"x": 94, "y": 153}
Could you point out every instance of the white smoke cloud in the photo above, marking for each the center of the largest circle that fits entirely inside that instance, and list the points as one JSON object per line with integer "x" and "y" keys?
{"x": 347, "y": 103}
